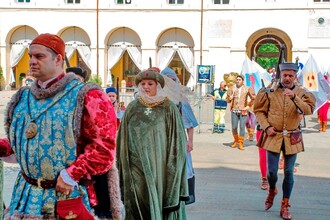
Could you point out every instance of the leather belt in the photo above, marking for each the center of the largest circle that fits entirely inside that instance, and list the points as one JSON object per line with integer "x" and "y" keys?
{"x": 236, "y": 111}
{"x": 47, "y": 184}
{"x": 285, "y": 132}
{"x": 41, "y": 183}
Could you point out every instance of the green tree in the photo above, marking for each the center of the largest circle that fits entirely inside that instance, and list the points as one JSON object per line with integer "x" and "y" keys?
{"x": 267, "y": 62}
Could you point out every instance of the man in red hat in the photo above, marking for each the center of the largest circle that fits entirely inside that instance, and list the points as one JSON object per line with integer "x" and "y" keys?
{"x": 62, "y": 132}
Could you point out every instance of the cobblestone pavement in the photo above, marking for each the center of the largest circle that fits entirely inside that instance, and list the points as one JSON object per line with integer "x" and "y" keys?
{"x": 228, "y": 180}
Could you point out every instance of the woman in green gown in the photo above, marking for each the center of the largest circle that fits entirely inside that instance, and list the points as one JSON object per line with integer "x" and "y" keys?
{"x": 151, "y": 154}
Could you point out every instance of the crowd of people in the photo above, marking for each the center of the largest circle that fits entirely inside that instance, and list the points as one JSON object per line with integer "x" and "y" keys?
{"x": 277, "y": 116}
{"x": 83, "y": 154}
{"x": 68, "y": 138}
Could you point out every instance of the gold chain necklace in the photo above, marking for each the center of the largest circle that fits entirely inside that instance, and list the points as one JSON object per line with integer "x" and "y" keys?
{"x": 150, "y": 105}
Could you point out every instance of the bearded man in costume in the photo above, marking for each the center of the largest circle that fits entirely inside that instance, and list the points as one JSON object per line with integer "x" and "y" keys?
{"x": 151, "y": 154}
{"x": 62, "y": 132}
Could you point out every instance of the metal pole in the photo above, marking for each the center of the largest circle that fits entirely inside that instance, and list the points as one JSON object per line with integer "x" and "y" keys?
{"x": 198, "y": 86}
{"x": 97, "y": 38}
{"x": 199, "y": 111}
{"x": 201, "y": 36}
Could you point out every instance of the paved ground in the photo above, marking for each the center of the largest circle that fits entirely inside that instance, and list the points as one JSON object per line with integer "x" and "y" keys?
{"x": 228, "y": 180}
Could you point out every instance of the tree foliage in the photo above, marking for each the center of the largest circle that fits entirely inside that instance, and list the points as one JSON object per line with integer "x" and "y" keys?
{"x": 95, "y": 79}
{"x": 267, "y": 62}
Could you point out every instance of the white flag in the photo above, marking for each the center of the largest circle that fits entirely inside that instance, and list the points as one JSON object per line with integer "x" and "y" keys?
{"x": 312, "y": 79}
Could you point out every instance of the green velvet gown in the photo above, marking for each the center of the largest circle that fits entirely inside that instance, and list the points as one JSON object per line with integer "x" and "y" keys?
{"x": 151, "y": 157}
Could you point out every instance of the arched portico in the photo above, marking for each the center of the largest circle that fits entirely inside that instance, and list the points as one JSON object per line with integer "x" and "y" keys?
{"x": 269, "y": 35}
{"x": 124, "y": 56}
{"x": 175, "y": 49}
{"x": 77, "y": 47}
{"x": 17, "y": 64}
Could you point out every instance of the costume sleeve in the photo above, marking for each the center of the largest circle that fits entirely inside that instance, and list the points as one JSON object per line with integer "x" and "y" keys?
{"x": 306, "y": 103}
{"x": 98, "y": 134}
{"x": 229, "y": 94}
{"x": 5, "y": 148}
{"x": 188, "y": 116}
{"x": 260, "y": 109}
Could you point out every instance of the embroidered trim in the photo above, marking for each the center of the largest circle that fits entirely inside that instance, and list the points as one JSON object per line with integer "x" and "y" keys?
{"x": 150, "y": 105}
{"x": 116, "y": 205}
{"x": 40, "y": 93}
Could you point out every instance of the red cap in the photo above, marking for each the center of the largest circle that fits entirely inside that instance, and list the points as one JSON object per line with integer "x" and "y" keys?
{"x": 156, "y": 69}
{"x": 51, "y": 41}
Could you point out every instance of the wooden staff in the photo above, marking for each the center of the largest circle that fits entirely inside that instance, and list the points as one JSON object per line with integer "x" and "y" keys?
{"x": 275, "y": 83}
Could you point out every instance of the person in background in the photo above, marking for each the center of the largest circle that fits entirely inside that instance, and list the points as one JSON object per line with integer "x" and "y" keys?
{"x": 272, "y": 72}
{"x": 61, "y": 132}
{"x": 279, "y": 115}
{"x": 250, "y": 125}
{"x": 29, "y": 79}
{"x": 119, "y": 106}
{"x": 174, "y": 92}
{"x": 262, "y": 161}
{"x": 322, "y": 113}
{"x": 237, "y": 97}
{"x": 219, "y": 96}
{"x": 82, "y": 74}
{"x": 151, "y": 154}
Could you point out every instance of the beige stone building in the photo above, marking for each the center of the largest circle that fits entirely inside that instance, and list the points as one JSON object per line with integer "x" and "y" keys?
{"x": 115, "y": 39}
